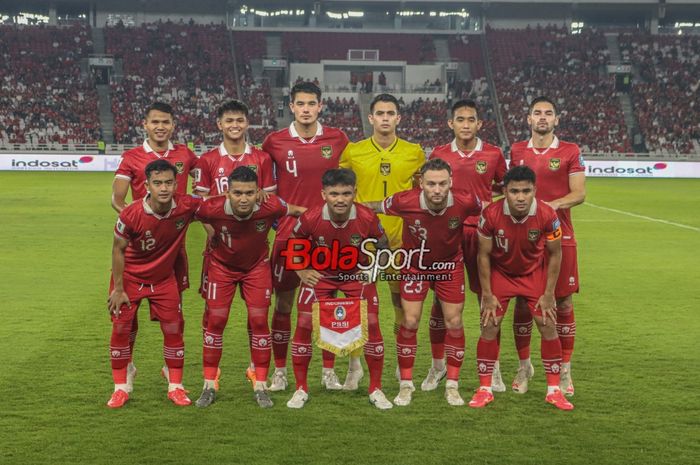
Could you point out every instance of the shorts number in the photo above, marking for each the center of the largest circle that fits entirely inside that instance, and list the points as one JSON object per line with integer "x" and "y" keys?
{"x": 309, "y": 295}
{"x": 413, "y": 287}
{"x": 211, "y": 291}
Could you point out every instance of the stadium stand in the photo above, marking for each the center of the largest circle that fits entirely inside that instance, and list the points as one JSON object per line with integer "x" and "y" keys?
{"x": 189, "y": 66}
{"x": 45, "y": 98}
{"x": 665, "y": 98}
{"x": 343, "y": 114}
{"x": 312, "y": 47}
{"x": 568, "y": 68}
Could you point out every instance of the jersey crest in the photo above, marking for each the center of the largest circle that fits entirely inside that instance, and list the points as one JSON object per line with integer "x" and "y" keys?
{"x": 453, "y": 223}
{"x": 180, "y": 167}
{"x": 355, "y": 239}
{"x": 260, "y": 226}
{"x": 327, "y": 152}
{"x": 533, "y": 235}
{"x": 554, "y": 164}
{"x": 253, "y": 167}
{"x": 385, "y": 169}
{"x": 481, "y": 166}
{"x": 179, "y": 223}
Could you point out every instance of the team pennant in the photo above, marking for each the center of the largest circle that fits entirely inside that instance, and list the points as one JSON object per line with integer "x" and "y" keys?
{"x": 340, "y": 325}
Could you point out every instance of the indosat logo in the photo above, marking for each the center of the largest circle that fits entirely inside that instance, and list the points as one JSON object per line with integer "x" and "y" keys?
{"x": 614, "y": 169}
{"x": 51, "y": 164}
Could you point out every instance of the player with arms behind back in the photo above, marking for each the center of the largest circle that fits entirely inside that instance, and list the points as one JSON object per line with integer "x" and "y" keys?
{"x": 561, "y": 181}
{"x": 148, "y": 237}
{"x": 479, "y": 168}
{"x": 384, "y": 164}
{"x": 159, "y": 125}
{"x": 301, "y": 154}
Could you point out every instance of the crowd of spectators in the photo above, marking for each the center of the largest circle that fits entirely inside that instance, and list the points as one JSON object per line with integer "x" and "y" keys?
{"x": 569, "y": 69}
{"x": 424, "y": 121}
{"x": 189, "y": 66}
{"x": 665, "y": 98}
{"x": 343, "y": 114}
{"x": 44, "y": 97}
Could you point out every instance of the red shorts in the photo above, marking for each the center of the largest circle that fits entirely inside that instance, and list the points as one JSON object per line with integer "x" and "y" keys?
{"x": 163, "y": 299}
{"x": 567, "y": 283}
{"x": 282, "y": 280}
{"x": 529, "y": 287}
{"x": 448, "y": 289}
{"x": 470, "y": 248}
{"x": 328, "y": 289}
{"x": 221, "y": 283}
{"x": 182, "y": 269}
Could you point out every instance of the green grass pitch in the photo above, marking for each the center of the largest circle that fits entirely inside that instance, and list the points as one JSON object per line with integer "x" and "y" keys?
{"x": 637, "y": 399}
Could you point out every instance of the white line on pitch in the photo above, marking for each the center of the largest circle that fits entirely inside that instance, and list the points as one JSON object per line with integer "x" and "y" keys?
{"x": 648, "y": 218}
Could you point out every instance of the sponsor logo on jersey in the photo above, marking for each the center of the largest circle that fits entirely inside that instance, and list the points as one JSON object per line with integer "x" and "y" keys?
{"x": 260, "y": 226}
{"x": 180, "y": 166}
{"x": 453, "y": 223}
{"x": 340, "y": 313}
{"x": 533, "y": 234}
{"x": 355, "y": 239}
{"x": 327, "y": 152}
{"x": 179, "y": 223}
{"x": 554, "y": 164}
{"x": 253, "y": 167}
{"x": 385, "y": 169}
{"x": 221, "y": 172}
{"x": 290, "y": 154}
{"x": 481, "y": 166}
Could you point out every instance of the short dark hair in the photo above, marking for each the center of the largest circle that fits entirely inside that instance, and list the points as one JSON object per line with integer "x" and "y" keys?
{"x": 242, "y": 174}
{"x": 233, "y": 106}
{"x": 159, "y": 106}
{"x": 436, "y": 164}
{"x": 339, "y": 177}
{"x": 159, "y": 166}
{"x": 519, "y": 173}
{"x": 306, "y": 87}
{"x": 385, "y": 98}
{"x": 465, "y": 103}
{"x": 543, "y": 98}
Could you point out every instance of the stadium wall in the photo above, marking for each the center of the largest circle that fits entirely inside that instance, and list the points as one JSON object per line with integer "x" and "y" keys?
{"x": 109, "y": 163}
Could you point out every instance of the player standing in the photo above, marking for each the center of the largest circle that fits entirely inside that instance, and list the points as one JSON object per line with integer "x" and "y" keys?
{"x": 216, "y": 165}
{"x": 384, "y": 164}
{"x": 561, "y": 181}
{"x": 339, "y": 222}
{"x": 514, "y": 233}
{"x": 148, "y": 237}
{"x": 433, "y": 216}
{"x": 300, "y": 154}
{"x": 159, "y": 124}
{"x": 479, "y": 167}
{"x": 239, "y": 258}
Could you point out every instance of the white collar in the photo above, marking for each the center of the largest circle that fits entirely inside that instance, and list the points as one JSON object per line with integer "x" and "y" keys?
{"x": 294, "y": 133}
{"x": 424, "y": 204}
{"x": 326, "y": 215}
{"x": 228, "y": 209}
{"x": 532, "y": 212}
{"x": 149, "y": 211}
{"x": 224, "y": 153}
{"x": 479, "y": 147}
{"x": 554, "y": 145}
{"x": 149, "y": 149}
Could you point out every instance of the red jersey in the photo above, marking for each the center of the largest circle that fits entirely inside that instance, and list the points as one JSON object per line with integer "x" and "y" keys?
{"x": 216, "y": 165}
{"x": 441, "y": 231}
{"x": 316, "y": 224}
{"x": 154, "y": 240}
{"x": 518, "y": 245}
{"x": 132, "y": 166}
{"x": 300, "y": 164}
{"x": 473, "y": 172}
{"x": 552, "y": 166}
{"x": 242, "y": 242}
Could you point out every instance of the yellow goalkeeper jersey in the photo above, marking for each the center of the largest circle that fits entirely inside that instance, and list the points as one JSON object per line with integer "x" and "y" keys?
{"x": 383, "y": 172}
